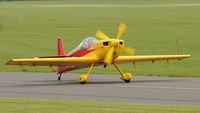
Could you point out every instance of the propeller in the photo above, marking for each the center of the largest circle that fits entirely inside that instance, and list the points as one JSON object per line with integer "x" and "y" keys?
{"x": 99, "y": 34}
{"x": 121, "y": 30}
{"x": 109, "y": 56}
{"x": 129, "y": 50}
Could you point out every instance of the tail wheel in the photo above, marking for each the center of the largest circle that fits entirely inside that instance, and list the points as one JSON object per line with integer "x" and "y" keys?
{"x": 126, "y": 77}
{"x": 59, "y": 77}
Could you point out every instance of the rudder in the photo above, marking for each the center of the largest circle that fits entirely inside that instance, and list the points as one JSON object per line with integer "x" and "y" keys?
{"x": 61, "y": 51}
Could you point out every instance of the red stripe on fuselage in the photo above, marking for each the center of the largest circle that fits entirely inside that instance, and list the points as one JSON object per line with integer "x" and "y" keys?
{"x": 78, "y": 53}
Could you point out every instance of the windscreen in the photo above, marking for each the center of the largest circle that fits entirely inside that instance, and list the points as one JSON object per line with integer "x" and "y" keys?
{"x": 86, "y": 43}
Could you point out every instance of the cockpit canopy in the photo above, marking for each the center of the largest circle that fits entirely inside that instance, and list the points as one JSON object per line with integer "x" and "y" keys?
{"x": 86, "y": 43}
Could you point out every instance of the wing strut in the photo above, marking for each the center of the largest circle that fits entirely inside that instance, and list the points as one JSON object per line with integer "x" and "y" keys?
{"x": 125, "y": 76}
{"x": 82, "y": 79}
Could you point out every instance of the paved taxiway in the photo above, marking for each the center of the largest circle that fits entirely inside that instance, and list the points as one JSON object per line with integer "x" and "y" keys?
{"x": 142, "y": 89}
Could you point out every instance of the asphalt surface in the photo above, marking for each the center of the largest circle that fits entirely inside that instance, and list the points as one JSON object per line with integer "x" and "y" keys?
{"x": 142, "y": 89}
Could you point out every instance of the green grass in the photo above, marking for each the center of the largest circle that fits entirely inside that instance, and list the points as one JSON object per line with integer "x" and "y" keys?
{"x": 30, "y": 29}
{"x": 28, "y": 105}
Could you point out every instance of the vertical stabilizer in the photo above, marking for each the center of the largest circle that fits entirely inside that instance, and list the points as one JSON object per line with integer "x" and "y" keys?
{"x": 61, "y": 51}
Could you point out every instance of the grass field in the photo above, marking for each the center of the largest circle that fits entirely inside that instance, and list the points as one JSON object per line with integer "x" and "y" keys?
{"x": 30, "y": 29}
{"x": 26, "y": 105}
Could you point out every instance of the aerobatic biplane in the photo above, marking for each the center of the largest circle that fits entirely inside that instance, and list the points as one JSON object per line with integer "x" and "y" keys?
{"x": 93, "y": 52}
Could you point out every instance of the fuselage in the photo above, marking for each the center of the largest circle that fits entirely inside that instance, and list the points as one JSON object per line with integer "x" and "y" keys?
{"x": 98, "y": 50}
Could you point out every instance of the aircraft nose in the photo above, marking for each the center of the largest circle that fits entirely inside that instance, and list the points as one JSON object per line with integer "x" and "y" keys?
{"x": 114, "y": 43}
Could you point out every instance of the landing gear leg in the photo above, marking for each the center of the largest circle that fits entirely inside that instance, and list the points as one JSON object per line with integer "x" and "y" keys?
{"x": 83, "y": 78}
{"x": 125, "y": 76}
{"x": 59, "y": 77}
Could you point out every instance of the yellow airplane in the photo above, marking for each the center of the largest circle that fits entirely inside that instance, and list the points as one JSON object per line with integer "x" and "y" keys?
{"x": 92, "y": 52}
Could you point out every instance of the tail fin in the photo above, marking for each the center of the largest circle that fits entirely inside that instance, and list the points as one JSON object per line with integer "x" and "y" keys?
{"x": 61, "y": 51}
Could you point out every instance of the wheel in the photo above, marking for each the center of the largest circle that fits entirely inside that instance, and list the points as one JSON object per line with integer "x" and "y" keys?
{"x": 126, "y": 77}
{"x": 59, "y": 78}
{"x": 83, "y": 82}
{"x": 127, "y": 81}
{"x": 82, "y": 79}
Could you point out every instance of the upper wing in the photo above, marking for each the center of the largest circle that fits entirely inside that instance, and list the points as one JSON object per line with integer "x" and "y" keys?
{"x": 68, "y": 61}
{"x": 149, "y": 58}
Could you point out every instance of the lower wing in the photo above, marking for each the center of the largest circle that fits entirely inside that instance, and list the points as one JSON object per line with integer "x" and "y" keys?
{"x": 84, "y": 62}
{"x": 76, "y": 62}
{"x": 149, "y": 58}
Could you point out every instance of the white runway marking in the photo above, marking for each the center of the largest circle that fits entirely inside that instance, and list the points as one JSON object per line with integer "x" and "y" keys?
{"x": 108, "y": 6}
{"x": 125, "y": 6}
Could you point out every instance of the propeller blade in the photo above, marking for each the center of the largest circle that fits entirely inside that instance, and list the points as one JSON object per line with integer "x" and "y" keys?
{"x": 129, "y": 50}
{"x": 99, "y": 34}
{"x": 109, "y": 56}
{"x": 121, "y": 30}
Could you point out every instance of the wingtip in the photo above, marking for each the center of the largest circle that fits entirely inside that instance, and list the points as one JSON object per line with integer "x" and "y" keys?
{"x": 9, "y": 62}
{"x": 188, "y": 56}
